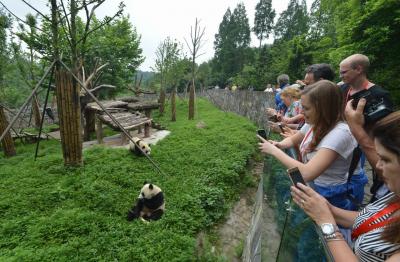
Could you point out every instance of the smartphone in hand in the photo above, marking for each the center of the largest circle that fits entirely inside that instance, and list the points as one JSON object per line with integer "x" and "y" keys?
{"x": 295, "y": 176}
{"x": 262, "y": 133}
{"x": 281, "y": 128}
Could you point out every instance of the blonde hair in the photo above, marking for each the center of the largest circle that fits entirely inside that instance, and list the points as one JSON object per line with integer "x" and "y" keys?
{"x": 292, "y": 92}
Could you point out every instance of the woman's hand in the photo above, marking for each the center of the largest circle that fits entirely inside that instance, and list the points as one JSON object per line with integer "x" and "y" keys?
{"x": 288, "y": 131}
{"x": 268, "y": 147}
{"x": 270, "y": 111}
{"x": 315, "y": 205}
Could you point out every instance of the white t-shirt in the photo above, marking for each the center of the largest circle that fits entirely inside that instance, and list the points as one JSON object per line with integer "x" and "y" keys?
{"x": 340, "y": 140}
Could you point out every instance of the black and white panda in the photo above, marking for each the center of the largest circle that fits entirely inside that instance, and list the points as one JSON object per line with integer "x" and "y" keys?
{"x": 150, "y": 204}
{"x": 144, "y": 147}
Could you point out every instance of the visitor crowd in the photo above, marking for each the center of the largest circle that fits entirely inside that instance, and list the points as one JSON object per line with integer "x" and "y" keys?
{"x": 331, "y": 131}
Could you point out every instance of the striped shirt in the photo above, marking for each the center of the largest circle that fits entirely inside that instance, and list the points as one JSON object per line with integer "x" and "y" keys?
{"x": 369, "y": 246}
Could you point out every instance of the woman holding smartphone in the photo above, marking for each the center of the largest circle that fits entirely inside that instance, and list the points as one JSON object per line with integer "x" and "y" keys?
{"x": 376, "y": 229}
{"x": 325, "y": 142}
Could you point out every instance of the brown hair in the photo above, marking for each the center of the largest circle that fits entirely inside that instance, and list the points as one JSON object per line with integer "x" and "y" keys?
{"x": 387, "y": 132}
{"x": 327, "y": 98}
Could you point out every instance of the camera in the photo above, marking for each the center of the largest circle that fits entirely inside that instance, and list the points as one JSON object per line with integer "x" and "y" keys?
{"x": 376, "y": 107}
{"x": 262, "y": 133}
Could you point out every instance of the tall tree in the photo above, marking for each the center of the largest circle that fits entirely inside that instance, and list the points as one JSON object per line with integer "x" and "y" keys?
{"x": 196, "y": 42}
{"x": 125, "y": 56}
{"x": 231, "y": 43}
{"x": 263, "y": 20}
{"x": 167, "y": 55}
{"x": 293, "y": 21}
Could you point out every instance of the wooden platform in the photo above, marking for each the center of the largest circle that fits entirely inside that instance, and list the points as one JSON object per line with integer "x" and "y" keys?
{"x": 127, "y": 115}
{"x": 109, "y": 105}
{"x": 145, "y": 105}
{"x": 126, "y": 119}
{"x": 27, "y": 137}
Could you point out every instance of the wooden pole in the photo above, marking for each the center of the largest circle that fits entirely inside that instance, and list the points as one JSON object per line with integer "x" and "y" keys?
{"x": 69, "y": 117}
{"x": 89, "y": 126}
{"x": 8, "y": 142}
{"x": 99, "y": 131}
{"x": 147, "y": 126}
{"x": 191, "y": 101}
{"x": 173, "y": 105}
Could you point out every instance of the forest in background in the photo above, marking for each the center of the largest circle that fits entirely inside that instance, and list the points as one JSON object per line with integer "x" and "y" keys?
{"x": 330, "y": 31}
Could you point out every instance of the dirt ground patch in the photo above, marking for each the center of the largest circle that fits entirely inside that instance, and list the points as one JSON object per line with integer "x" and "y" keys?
{"x": 232, "y": 233}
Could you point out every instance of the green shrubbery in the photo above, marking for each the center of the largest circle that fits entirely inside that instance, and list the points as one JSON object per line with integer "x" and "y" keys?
{"x": 50, "y": 212}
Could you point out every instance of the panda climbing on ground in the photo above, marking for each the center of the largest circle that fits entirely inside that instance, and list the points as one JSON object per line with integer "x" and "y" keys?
{"x": 149, "y": 205}
{"x": 139, "y": 147}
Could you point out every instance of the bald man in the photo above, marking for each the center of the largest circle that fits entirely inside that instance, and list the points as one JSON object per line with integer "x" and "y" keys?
{"x": 353, "y": 72}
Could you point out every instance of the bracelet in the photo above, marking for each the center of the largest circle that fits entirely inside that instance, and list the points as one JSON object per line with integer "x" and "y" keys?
{"x": 335, "y": 239}
{"x": 335, "y": 236}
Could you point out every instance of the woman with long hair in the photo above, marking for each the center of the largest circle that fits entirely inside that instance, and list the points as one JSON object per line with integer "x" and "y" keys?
{"x": 376, "y": 229}
{"x": 325, "y": 142}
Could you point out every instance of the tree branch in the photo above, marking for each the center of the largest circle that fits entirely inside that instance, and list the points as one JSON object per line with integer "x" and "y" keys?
{"x": 14, "y": 15}
{"x": 37, "y": 11}
{"x": 107, "y": 21}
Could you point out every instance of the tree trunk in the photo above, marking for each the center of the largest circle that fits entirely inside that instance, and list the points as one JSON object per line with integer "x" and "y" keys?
{"x": 36, "y": 111}
{"x": 53, "y": 101}
{"x": 68, "y": 106}
{"x": 173, "y": 105}
{"x": 191, "y": 101}
{"x": 162, "y": 101}
{"x": 7, "y": 142}
{"x": 89, "y": 127}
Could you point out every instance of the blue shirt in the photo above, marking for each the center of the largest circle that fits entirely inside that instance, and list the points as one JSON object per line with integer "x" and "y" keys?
{"x": 280, "y": 106}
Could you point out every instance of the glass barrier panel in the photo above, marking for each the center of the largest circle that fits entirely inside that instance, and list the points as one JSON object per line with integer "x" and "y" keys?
{"x": 300, "y": 239}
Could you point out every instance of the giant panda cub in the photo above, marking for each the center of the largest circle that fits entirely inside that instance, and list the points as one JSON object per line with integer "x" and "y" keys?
{"x": 139, "y": 147}
{"x": 149, "y": 205}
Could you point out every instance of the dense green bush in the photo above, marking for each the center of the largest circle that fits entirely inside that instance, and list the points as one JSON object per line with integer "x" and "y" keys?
{"x": 49, "y": 212}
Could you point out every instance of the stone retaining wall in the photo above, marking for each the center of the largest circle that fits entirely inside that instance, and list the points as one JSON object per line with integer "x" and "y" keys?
{"x": 250, "y": 104}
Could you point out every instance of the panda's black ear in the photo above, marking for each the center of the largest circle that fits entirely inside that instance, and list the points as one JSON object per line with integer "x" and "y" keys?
{"x": 151, "y": 186}
{"x": 145, "y": 182}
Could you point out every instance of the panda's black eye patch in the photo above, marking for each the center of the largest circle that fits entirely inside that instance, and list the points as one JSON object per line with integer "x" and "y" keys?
{"x": 143, "y": 147}
{"x": 142, "y": 194}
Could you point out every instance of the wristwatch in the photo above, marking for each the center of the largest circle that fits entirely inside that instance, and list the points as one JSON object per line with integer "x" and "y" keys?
{"x": 328, "y": 229}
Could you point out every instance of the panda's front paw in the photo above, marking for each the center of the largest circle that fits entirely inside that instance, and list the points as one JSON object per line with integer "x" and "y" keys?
{"x": 132, "y": 215}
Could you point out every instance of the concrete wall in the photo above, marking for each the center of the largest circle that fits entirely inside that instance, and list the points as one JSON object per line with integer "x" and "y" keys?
{"x": 251, "y": 104}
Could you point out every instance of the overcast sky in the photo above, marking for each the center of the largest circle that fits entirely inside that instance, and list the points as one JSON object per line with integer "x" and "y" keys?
{"x": 155, "y": 20}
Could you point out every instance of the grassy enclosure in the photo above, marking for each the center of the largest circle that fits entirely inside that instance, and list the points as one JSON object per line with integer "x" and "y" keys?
{"x": 49, "y": 212}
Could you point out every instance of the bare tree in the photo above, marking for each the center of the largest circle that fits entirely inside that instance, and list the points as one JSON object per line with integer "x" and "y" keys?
{"x": 167, "y": 54}
{"x": 160, "y": 67}
{"x": 136, "y": 87}
{"x": 196, "y": 43}
{"x": 90, "y": 84}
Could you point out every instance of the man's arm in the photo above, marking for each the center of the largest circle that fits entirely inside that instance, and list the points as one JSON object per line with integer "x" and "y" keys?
{"x": 355, "y": 120}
